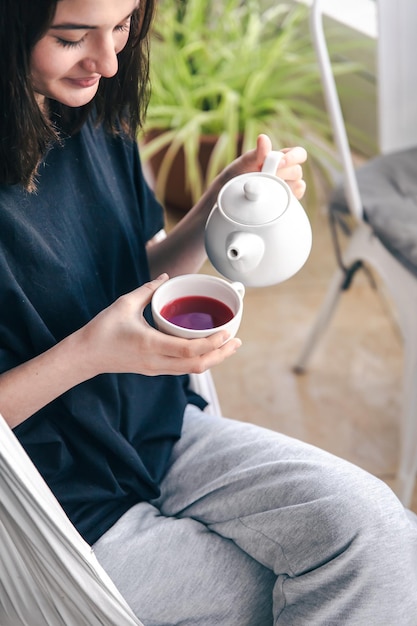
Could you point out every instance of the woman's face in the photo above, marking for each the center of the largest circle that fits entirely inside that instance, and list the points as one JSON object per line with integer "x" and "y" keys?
{"x": 79, "y": 48}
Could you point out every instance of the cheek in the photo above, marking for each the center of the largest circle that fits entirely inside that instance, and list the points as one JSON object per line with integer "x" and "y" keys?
{"x": 47, "y": 62}
{"x": 121, "y": 41}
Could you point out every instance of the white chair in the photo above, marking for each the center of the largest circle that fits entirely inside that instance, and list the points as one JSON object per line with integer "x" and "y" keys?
{"x": 49, "y": 575}
{"x": 381, "y": 197}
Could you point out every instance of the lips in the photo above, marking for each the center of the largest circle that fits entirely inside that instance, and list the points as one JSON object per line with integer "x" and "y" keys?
{"x": 88, "y": 81}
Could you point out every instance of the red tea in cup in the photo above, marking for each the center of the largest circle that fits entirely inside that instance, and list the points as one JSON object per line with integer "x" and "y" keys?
{"x": 197, "y": 312}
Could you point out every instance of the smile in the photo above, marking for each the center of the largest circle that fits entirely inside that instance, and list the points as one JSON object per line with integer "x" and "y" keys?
{"x": 84, "y": 82}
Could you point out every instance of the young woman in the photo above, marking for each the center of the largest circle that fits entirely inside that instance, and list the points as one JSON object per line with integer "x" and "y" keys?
{"x": 199, "y": 520}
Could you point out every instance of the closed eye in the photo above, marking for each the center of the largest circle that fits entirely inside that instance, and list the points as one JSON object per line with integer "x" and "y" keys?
{"x": 65, "y": 43}
{"x": 68, "y": 43}
{"x": 123, "y": 27}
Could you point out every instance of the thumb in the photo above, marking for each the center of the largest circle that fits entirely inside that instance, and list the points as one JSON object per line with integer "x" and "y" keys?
{"x": 263, "y": 147}
{"x": 152, "y": 286}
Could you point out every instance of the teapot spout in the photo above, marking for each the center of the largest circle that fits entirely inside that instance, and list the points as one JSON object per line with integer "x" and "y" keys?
{"x": 244, "y": 251}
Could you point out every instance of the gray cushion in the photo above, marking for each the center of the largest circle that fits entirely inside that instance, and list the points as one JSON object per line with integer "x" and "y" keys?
{"x": 388, "y": 188}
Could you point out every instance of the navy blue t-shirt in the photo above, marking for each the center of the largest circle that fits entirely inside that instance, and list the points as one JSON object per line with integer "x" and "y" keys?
{"x": 67, "y": 252}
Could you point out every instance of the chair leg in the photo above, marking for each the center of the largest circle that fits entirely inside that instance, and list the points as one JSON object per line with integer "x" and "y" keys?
{"x": 203, "y": 384}
{"x": 408, "y": 446}
{"x": 329, "y": 305}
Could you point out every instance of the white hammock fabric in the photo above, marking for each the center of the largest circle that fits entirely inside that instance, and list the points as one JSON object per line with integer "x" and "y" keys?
{"x": 49, "y": 575}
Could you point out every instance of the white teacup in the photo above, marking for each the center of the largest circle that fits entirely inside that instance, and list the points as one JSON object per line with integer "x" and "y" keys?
{"x": 198, "y": 305}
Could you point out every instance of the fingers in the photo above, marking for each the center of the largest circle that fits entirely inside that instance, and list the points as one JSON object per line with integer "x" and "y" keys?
{"x": 215, "y": 357}
{"x": 179, "y": 348}
{"x": 289, "y": 168}
{"x": 293, "y": 156}
{"x": 291, "y": 171}
{"x": 139, "y": 298}
{"x": 293, "y": 176}
{"x": 152, "y": 285}
{"x": 298, "y": 188}
{"x": 186, "y": 356}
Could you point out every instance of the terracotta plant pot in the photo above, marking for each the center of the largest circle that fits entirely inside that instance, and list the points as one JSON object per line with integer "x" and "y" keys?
{"x": 176, "y": 197}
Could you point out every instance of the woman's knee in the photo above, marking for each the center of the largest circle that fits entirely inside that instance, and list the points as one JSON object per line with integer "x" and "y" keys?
{"x": 356, "y": 508}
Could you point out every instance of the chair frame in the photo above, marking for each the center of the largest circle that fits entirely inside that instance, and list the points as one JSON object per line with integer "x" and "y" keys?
{"x": 365, "y": 247}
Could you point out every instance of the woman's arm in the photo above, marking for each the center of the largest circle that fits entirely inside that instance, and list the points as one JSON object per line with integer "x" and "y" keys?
{"x": 28, "y": 387}
{"x": 182, "y": 251}
{"x": 117, "y": 340}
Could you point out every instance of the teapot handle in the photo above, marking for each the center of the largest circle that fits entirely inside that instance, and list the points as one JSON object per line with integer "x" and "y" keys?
{"x": 271, "y": 162}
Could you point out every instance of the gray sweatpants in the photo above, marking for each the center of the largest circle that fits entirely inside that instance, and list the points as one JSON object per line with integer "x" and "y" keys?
{"x": 253, "y": 528}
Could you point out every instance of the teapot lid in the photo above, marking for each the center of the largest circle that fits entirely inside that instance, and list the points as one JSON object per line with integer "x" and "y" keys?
{"x": 254, "y": 199}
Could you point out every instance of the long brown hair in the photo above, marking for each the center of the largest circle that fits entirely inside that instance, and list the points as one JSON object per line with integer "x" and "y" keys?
{"x": 25, "y": 132}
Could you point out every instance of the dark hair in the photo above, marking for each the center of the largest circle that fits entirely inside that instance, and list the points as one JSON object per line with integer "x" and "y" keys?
{"x": 25, "y": 132}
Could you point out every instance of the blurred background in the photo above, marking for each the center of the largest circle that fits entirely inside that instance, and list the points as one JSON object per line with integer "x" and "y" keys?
{"x": 349, "y": 399}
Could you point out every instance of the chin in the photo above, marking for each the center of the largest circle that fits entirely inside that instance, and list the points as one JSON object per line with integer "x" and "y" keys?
{"x": 78, "y": 99}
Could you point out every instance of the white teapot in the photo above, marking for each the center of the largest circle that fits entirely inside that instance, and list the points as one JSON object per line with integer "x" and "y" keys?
{"x": 258, "y": 233}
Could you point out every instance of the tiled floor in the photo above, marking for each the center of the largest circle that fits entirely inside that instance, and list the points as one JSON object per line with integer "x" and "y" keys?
{"x": 348, "y": 402}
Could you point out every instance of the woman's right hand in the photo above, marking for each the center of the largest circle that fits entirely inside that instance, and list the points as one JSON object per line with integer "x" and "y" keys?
{"x": 119, "y": 339}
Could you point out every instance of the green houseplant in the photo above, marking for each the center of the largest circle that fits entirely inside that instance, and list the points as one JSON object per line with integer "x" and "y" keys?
{"x": 229, "y": 70}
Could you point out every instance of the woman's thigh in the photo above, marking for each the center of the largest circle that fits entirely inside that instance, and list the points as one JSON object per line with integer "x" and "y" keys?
{"x": 226, "y": 473}
{"x": 338, "y": 540}
{"x": 177, "y": 572}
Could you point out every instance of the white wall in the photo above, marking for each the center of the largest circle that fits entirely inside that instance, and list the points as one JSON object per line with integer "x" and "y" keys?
{"x": 397, "y": 74}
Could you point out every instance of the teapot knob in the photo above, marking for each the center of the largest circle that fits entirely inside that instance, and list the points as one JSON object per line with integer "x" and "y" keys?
{"x": 252, "y": 190}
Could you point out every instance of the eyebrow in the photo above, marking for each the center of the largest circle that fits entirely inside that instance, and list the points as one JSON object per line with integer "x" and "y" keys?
{"x": 71, "y": 26}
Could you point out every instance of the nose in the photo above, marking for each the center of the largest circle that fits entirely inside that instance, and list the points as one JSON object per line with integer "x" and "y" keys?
{"x": 103, "y": 58}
